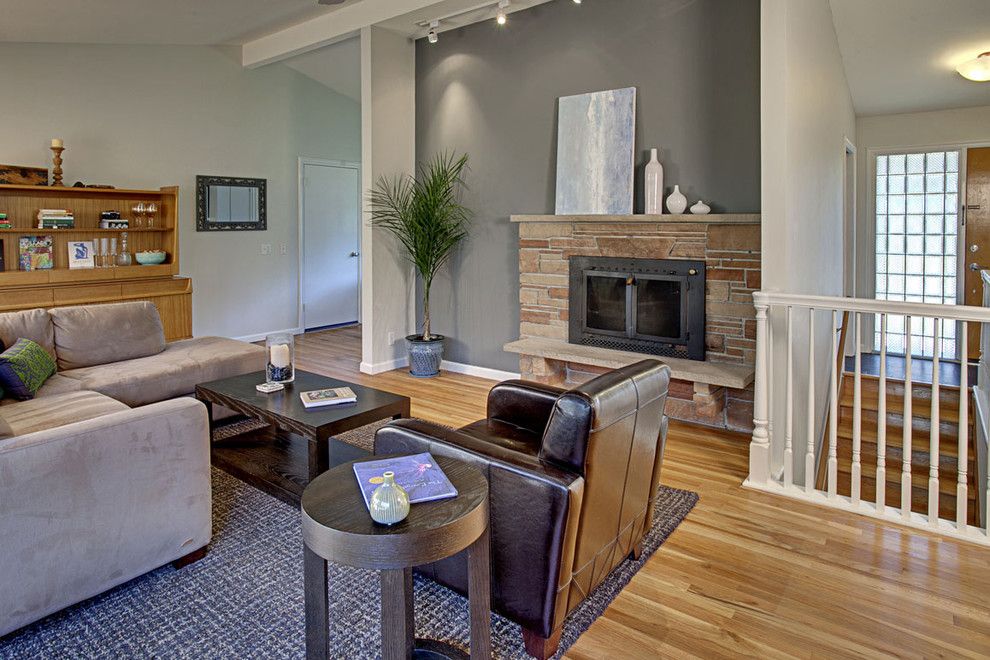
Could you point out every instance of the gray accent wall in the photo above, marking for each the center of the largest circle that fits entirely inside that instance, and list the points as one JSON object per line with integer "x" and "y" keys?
{"x": 492, "y": 92}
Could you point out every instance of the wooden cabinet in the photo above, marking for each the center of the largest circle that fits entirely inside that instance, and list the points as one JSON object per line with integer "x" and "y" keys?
{"x": 60, "y": 286}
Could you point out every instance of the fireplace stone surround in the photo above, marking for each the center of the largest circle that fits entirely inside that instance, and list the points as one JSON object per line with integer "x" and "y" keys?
{"x": 715, "y": 392}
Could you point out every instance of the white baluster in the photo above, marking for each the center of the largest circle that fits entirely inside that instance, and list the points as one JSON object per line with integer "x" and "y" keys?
{"x": 809, "y": 456}
{"x": 857, "y": 443}
{"x": 933, "y": 459}
{"x": 789, "y": 409}
{"x": 962, "y": 484}
{"x": 881, "y": 494}
{"x": 906, "y": 441}
{"x": 771, "y": 376}
{"x": 759, "y": 447}
{"x": 833, "y": 413}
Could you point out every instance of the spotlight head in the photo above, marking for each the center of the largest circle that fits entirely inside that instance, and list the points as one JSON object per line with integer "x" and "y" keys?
{"x": 500, "y": 17}
{"x": 432, "y": 35}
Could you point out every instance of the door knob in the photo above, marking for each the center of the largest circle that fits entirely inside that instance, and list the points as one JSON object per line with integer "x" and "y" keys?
{"x": 355, "y": 254}
{"x": 975, "y": 266}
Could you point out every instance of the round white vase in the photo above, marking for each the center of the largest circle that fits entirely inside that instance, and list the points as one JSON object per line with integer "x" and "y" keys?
{"x": 676, "y": 201}
{"x": 700, "y": 208}
{"x": 389, "y": 502}
{"x": 653, "y": 185}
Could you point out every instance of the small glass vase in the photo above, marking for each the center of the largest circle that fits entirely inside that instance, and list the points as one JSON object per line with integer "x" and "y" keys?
{"x": 281, "y": 350}
{"x": 389, "y": 502}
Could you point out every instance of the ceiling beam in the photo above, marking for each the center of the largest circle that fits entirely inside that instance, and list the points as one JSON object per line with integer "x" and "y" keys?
{"x": 324, "y": 30}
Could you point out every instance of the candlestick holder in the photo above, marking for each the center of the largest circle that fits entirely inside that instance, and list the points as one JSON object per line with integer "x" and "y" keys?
{"x": 57, "y": 165}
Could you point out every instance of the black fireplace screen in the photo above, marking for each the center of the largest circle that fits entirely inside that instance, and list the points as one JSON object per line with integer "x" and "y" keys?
{"x": 650, "y": 306}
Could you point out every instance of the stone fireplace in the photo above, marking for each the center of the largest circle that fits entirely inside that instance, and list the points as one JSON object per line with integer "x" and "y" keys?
{"x": 556, "y": 253}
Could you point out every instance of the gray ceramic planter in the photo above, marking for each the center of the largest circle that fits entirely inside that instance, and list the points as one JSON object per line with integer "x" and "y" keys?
{"x": 424, "y": 356}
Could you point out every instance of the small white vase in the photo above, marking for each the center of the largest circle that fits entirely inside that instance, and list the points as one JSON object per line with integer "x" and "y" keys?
{"x": 700, "y": 208}
{"x": 653, "y": 185}
{"x": 676, "y": 201}
{"x": 389, "y": 502}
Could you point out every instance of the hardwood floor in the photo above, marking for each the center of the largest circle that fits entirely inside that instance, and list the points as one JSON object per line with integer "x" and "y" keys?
{"x": 748, "y": 573}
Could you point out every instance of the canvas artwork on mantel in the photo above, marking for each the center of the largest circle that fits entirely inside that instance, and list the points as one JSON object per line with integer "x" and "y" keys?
{"x": 595, "y": 151}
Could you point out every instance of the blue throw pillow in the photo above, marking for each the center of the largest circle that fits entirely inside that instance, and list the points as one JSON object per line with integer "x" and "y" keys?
{"x": 24, "y": 368}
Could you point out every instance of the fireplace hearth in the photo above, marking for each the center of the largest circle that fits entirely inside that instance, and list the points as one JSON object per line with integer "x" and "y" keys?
{"x": 651, "y": 306}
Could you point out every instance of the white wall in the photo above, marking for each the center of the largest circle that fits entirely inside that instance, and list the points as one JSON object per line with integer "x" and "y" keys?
{"x": 148, "y": 116}
{"x": 806, "y": 116}
{"x": 946, "y": 128}
{"x": 388, "y": 143}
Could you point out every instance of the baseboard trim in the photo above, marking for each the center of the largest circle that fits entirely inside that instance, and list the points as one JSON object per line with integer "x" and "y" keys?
{"x": 480, "y": 372}
{"x": 261, "y": 335}
{"x": 382, "y": 367}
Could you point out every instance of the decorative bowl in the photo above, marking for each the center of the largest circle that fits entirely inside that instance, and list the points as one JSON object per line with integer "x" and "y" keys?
{"x": 150, "y": 257}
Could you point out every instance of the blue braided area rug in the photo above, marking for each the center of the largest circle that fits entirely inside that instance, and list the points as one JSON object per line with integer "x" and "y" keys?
{"x": 245, "y": 598}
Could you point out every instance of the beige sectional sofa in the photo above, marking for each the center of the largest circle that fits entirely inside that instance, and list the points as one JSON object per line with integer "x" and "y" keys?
{"x": 105, "y": 474}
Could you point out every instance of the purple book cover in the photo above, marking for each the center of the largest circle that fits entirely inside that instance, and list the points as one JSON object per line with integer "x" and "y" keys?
{"x": 419, "y": 475}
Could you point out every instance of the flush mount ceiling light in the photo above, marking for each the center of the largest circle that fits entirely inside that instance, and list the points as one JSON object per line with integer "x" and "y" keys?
{"x": 500, "y": 16}
{"x": 976, "y": 69}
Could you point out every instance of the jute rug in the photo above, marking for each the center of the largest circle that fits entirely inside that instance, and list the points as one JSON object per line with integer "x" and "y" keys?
{"x": 245, "y": 599}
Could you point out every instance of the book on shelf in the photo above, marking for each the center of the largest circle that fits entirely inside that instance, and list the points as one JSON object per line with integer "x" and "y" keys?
{"x": 35, "y": 252}
{"x": 419, "y": 475}
{"x": 332, "y": 396}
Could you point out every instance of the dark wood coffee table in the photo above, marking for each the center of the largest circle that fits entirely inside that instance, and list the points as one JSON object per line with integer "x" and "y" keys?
{"x": 337, "y": 527}
{"x": 297, "y": 447}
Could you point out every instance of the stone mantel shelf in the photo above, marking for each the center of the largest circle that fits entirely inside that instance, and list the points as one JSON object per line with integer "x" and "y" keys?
{"x": 734, "y": 376}
{"x": 682, "y": 218}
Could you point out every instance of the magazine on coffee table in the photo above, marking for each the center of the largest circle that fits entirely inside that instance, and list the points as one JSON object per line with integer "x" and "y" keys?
{"x": 419, "y": 475}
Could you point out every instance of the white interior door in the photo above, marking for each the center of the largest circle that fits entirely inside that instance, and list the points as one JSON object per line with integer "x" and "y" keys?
{"x": 331, "y": 195}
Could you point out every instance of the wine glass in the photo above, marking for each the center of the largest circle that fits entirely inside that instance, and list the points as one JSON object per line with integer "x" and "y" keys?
{"x": 139, "y": 211}
{"x": 151, "y": 210}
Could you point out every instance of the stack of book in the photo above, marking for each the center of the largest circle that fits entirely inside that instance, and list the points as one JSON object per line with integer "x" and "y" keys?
{"x": 5, "y": 222}
{"x": 114, "y": 224}
{"x": 56, "y": 219}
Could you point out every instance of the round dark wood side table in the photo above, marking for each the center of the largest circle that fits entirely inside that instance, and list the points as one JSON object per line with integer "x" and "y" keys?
{"x": 337, "y": 527}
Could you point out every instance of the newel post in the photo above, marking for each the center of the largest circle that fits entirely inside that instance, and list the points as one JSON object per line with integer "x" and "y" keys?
{"x": 759, "y": 448}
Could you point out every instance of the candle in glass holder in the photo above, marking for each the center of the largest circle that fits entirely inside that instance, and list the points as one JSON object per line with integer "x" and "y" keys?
{"x": 57, "y": 143}
{"x": 280, "y": 347}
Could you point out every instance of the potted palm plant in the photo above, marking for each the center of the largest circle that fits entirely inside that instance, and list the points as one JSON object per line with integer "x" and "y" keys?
{"x": 425, "y": 215}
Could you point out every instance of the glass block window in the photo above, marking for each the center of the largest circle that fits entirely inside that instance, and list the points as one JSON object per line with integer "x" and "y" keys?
{"x": 917, "y": 200}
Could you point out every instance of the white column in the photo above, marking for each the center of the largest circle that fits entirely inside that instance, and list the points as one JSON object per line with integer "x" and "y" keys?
{"x": 388, "y": 148}
{"x": 759, "y": 447}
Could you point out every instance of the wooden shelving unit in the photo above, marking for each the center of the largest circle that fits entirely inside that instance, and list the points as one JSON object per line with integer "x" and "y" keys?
{"x": 61, "y": 285}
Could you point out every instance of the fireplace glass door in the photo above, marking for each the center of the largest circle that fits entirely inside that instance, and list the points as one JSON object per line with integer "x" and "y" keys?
{"x": 608, "y": 303}
{"x": 659, "y": 308}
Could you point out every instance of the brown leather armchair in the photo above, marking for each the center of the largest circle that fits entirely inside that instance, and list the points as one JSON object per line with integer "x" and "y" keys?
{"x": 573, "y": 475}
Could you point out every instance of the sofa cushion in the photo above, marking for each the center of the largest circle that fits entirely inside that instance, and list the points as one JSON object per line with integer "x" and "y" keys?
{"x": 89, "y": 335}
{"x": 24, "y": 368}
{"x": 33, "y": 324}
{"x": 174, "y": 372}
{"x": 54, "y": 411}
{"x": 57, "y": 384}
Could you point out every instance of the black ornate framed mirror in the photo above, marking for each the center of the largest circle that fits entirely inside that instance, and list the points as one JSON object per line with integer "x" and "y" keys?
{"x": 231, "y": 204}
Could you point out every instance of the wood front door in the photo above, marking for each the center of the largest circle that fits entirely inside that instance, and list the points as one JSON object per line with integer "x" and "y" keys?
{"x": 977, "y": 250}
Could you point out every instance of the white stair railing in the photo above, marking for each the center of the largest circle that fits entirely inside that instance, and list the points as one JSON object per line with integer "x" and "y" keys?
{"x": 790, "y": 467}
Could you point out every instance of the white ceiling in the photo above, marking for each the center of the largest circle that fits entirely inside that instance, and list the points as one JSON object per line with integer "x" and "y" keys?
{"x": 190, "y": 22}
{"x": 337, "y": 66}
{"x": 900, "y": 55}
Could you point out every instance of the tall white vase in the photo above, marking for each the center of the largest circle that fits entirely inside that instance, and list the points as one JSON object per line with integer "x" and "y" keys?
{"x": 654, "y": 185}
{"x": 676, "y": 201}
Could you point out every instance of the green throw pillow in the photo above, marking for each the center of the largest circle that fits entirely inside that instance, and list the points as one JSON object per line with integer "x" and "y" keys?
{"x": 24, "y": 368}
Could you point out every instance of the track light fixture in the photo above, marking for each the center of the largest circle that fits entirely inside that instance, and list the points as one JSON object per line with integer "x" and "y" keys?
{"x": 500, "y": 17}
{"x": 432, "y": 35}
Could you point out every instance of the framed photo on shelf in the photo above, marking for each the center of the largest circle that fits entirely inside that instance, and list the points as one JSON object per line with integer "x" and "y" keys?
{"x": 81, "y": 254}
{"x": 35, "y": 252}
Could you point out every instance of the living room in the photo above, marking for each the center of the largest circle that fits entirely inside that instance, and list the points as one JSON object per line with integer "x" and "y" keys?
{"x": 516, "y": 245}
